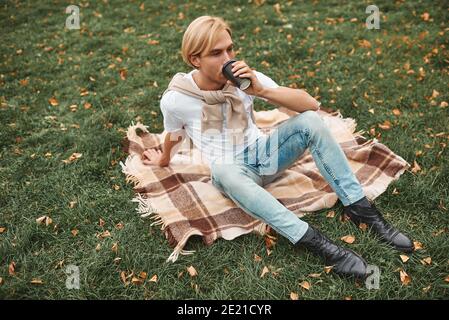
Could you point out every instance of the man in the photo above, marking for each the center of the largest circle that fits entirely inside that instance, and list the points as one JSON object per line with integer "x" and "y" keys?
{"x": 204, "y": 101}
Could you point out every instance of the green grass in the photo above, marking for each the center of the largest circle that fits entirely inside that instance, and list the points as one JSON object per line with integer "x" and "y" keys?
{"x": 32, "y": 184}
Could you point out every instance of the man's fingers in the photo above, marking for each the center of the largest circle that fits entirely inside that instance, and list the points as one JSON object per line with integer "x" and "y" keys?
{"x": 145, "y": 154}
{"x": 245, "y": 75}
{"x": 149, "y": 155}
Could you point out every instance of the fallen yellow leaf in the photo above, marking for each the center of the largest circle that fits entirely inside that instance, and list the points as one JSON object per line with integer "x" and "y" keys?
{"x": 192, "y": 271}
{"x": 75, "y": 232}
{"x": 53, "y": 101}
{"x": 37, "y": 281}
{"x": 264, "y": 271}
{"x": 416, "y": 168}
{"x": 119, "y": 226}
{"x": 143, "y": 275}
{"x": 404, "y": 258}
{"x": 153, "y": 278}
{"x": 305, "y": 284}
{"x": 418, "y": 245}
{"x": 75, "y": 156}
{"x": 348, "y": 239}
{"x": 365, "y": 43}
{"x": 123, "y": 277}
{"x": 386, "y": 125}
{"x": 123, "y": 74}
{"x": 294, "y": 296}
{"x": 330, "y": 214}
{"x": 104, "y": 234}
{"x": 315, "y": 275}
{"x": 425, "y": 16}
{"x": 328, "y": 269}
{"x": 277, "y": 8}
{"x": 405, "y": 278}
{"x": 44, "y": 220}
{"x": 12, "y": 268}
{"x": 136, "y": 281}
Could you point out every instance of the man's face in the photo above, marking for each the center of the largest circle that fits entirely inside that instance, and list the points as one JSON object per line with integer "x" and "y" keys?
{"x": 210, "y": 63}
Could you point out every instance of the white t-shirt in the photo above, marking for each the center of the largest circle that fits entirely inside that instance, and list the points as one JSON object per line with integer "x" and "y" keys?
{"x": 183, "y": 111}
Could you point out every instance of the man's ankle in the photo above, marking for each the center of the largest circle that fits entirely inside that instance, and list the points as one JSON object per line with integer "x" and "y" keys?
{"x": 364, "y": 202}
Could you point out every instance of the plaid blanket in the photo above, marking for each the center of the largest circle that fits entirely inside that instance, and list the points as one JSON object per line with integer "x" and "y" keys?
{"x": 182, "y": 200}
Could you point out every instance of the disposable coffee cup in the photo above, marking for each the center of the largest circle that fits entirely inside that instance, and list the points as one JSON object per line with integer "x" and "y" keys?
{"x": 242, "y": 83}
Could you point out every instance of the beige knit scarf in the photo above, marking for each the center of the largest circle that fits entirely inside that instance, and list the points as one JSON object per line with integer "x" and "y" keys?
{"x": 212, "y": 114}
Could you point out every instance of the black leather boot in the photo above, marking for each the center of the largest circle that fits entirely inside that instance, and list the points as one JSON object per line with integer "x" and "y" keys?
{"x": 344, "y": 261}
{"x": 365, "y": 212}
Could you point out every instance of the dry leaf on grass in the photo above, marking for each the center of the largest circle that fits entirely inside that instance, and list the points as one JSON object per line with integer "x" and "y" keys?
{"x": 418, "y": 245}
{"x": 153, "y": 278}
{"x": 192, "y": 271}
{"x": 44, "y": 220}
{"x": 75, "y": 156}
{"x": 416, "y": 167}
{"x": 53, "y": 101}
{"x": 305, "y": 284}
{"x": 264, "y": 271}
{"x": 328, "y": 269}
{"x": 426, "y": 261}
{"x": 348, "y": 239}
{"x": 294, "y": 296}
{"x": 37, "y": 281}
{"x": 12, "y": 268}
{"x": 405, "y": 278}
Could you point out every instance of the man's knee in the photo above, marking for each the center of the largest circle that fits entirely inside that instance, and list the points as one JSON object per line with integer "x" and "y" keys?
{"x": 228, "y": 176}
{"x": 313, "y": 122}
{"x": 220, "y": 174}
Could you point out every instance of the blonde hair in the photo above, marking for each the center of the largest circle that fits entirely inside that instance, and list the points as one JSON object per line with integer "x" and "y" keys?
{"x": 201, "y": 35}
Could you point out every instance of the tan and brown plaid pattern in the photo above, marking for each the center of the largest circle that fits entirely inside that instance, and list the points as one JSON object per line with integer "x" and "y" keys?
{"x": 182, "y": 199}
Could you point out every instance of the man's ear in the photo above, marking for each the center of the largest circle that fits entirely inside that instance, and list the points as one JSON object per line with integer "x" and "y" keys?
{"x": 195, "y": 60}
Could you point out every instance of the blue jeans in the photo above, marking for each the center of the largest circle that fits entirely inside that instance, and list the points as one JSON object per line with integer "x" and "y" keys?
{"x": 263, "y": 161}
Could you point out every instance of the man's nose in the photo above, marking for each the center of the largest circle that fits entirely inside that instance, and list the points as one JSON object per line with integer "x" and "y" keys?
{"x": 227, "y": 57}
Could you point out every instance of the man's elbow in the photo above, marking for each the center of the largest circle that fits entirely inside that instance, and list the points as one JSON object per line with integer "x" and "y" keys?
{"x": 310, "y": 102}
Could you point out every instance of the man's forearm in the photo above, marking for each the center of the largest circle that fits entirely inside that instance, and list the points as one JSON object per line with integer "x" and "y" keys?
{"x": 293, "y": 99}
{"x": 171, "y": 140}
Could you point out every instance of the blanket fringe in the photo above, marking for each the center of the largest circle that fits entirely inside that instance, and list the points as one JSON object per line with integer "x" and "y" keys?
{"x": 145, "y": 209}
{"x": 128, "y": 170}
{"x": 131, "y": 132}
{"x": 178, "y": 249}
